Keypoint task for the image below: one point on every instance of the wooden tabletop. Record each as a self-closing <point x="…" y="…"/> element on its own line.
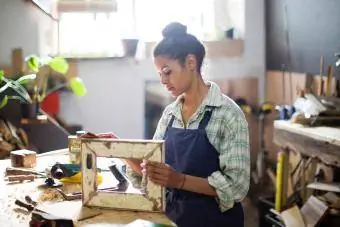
<point x="322" y="142"/>
<point x="12" y="215"/>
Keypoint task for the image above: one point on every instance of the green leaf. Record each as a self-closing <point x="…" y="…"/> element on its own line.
<point x="33" y="62"/>
<point x="4" y="102"/>
<point x="25" y="79"/>
<point x="59" y="65"/>
<point x="78" y="86"/>
<point x="2" y="74"/>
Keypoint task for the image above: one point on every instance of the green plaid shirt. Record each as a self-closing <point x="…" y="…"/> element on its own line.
<point x="228" y="132"/>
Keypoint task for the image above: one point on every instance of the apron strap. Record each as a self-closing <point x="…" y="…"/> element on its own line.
<point x="171" y="120"/>
<point x="206" y="118"/>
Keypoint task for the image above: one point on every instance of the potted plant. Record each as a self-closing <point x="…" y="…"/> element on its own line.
<point x="32" y="88"/>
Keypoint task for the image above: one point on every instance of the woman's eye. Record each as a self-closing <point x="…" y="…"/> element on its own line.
<point x="167" y="73"/>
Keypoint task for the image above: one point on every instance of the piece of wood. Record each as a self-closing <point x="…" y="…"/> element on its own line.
<point x="150" y="198"/>
<point x="21" y="178"/>
<point x="330" y="187"/>
<point x="313" y="211"/>
<point x="292" y="217"/>
<point x="320" y="142"/>
<point x="23" y="158"/>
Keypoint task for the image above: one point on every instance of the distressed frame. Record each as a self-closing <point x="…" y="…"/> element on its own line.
<point x="153" y="197"/>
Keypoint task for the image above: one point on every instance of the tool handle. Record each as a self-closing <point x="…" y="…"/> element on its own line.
<point x="24" y="205"/>
<point x="21" y="178"/>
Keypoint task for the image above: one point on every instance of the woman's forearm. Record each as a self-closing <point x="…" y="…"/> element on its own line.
<point x="134" y="165"/>
<point x="198" y="185"/>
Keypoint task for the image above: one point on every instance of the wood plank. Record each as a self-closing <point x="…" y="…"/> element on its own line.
<point x="330" y="135"/>
<point x="313" y="211"/>
<point x="319" y="142"/>
<point x="292" y="217"/>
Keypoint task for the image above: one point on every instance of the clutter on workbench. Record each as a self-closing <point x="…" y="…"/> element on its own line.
<point x="11" y="138"/>
<point x="315" y="110"/>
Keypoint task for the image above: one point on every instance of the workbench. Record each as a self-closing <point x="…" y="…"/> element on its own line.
<point x="12" y="215"/>
<point x="305" y="150"/>
<point x="320" y="142"/>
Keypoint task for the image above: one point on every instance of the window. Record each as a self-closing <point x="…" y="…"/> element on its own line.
<point x="86" y="34"/>
<point x="90" y="35"/>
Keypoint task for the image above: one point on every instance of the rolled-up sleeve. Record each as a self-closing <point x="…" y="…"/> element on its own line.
<point x="232" y="181"/>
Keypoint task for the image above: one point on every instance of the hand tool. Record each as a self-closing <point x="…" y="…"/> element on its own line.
<point x="29" y="200"/>
<point x="59" y="170"/>
<point x="69" y="173"/>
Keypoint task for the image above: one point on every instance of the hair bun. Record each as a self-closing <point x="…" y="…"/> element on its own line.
<point x="174" y="29"/>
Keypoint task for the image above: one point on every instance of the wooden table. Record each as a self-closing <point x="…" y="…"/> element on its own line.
<point x="11" y="215"/>
<point x="320" y="142"/>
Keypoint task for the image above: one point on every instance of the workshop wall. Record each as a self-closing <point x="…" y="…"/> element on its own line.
<point x="25" y="26"/>
<point x="297" y="38"/>
<point x="117" y="84"/>
<point x="123" y="82"/>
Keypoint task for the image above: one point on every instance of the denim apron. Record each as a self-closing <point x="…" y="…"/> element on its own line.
<point x="189" y="151"/>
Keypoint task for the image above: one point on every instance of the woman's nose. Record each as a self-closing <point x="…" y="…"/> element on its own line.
<point x="163" y="79"/>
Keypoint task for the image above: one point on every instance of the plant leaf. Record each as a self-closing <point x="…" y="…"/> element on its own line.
<point x="59" y="65"/>
<point x="26" y="78"/>
<point x="2" y="74"/>
<point x="4" y="102"/>
<point x="33" y="62"/>
<point x="77" y="86"/>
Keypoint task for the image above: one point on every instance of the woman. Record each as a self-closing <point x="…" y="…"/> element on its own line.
<point x="207" y="168"/>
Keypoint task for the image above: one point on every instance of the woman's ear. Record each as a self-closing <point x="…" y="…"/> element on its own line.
<point x="191" y="63"/>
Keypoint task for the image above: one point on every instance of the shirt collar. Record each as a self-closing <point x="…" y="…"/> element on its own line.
<point x="214" y="98"/>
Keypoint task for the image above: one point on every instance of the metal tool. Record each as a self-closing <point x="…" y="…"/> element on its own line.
<point x="59" y="170"/>
<point x="69" y="197"/>
<point x="29" y="200"/>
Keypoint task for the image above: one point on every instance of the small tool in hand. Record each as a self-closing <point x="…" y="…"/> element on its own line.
<point x="24" y="205"/>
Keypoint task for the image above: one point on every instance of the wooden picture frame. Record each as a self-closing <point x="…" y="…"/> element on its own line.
<point x="152" y="196"/>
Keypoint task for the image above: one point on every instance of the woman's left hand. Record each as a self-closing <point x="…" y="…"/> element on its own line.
<point x="162" y="174"/>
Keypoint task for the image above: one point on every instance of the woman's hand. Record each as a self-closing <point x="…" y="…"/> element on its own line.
<point x="162" y="174"/>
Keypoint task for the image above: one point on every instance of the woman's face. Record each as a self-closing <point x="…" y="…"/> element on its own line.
<point x="173" y="76"/>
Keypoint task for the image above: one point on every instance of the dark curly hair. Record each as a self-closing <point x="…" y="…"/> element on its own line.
<point x="177" y="44"/>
